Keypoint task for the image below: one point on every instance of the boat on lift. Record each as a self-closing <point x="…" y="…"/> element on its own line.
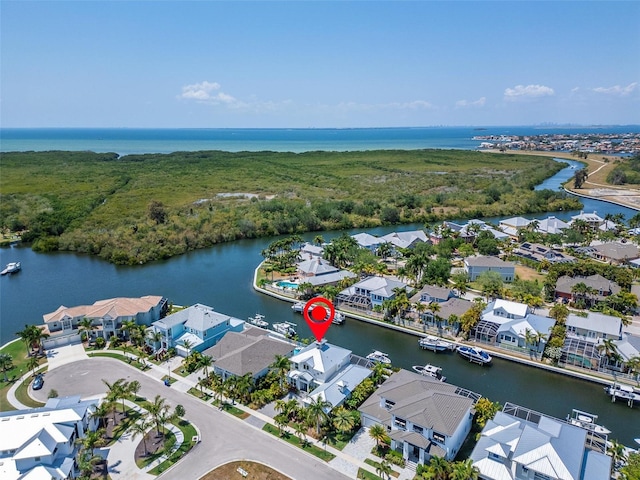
<point x="435" y="344"/>
<point x="298" y="307"/>
<point x="379" y="357"/>
<point x="258" y="320"/>
<point x="429" y="370"/>
<point x="587" y="421"/>
<point x="287" y="329"/>
<point x="474" y="354"/>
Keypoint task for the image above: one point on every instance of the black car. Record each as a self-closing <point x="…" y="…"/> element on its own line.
<point x="38" y="382"/>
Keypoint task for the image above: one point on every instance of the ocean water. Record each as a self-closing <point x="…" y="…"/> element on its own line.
<point x="137" y="141"/>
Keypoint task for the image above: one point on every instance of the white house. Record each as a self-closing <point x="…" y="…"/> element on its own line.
<point x="323" y="370"/>
<point x="40" y="443"/>
<point x="369" y="292"/>
<point x="475" y="266"/>
<point x="507" y="323"/>
<point x="405" y="239"/>
<point x="585" y="334"/>
<point x="368" y="241"/>
<point x="423" y="417"/>
<point x="519" y="444"/>
<point x="197" y="327"/>
<point x="552" y="225"/>
<point x="318" y="271"/>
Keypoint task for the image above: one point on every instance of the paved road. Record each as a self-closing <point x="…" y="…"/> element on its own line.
<point x="224" y="437"/>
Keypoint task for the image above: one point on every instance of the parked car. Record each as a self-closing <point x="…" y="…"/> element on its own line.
<point x="38" y="382"/>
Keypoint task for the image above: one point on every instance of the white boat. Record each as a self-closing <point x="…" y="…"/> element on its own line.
<point x="429" y="370"/>
<point x="624" y="392"/>
<point x="298" y="307"/>
<point x="287" y="329"/>
<point x="12" y="267"/>
<point x="587" y="421"/>
<point x="258" y="320"/>
<point x="474" y="354"/>
<point x="338" y="318"/>
<point x="436" y="344"/>
<point x="379" y="357"/>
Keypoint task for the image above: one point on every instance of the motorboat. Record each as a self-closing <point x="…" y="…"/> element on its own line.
<point x="12" y="267"/>
<point x="379" y="357"/>
<point x="624" y="392"/>
<point x="338" y="318"/>
<point x="298" y="307"/>
<point x="287" y="329"/>
<point x="429" y="370"/>
<point x="258" y="320"/>
<point x="587" y="421"/>
<point x="474" y="354"/>
<point x="435" y="344"/>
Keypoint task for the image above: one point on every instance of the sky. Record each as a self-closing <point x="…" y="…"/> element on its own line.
<point x="316" y="64"/>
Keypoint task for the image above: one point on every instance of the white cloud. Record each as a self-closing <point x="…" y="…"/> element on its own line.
<point x="199" y="91"/>
<point x="617" y="89"/>
<point x="475" y="103"/>
<point x="522" y="92"/>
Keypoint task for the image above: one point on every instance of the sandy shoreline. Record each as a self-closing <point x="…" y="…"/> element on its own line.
<point x="596" y="186"/>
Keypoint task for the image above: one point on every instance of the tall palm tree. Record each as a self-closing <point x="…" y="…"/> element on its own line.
<point x="85" y="326"/>
<point x="301" y="431"/>
<point x="317" y="411"/>
<point x="244" y="386"/>
<point x="205" y="362"/>
<point x="33" y="364"/>
<point x="383" y="469"/>
<point x="157" y="410"/>
<point x="140" y="428"/>
<point x="281" y="365"/>
<point x="27" y="335"/>
<point x="617" y="452"/>
<point x="610" y="349"/>
<point x="117" y="390"/>
<point x="217" y="384"/>
<point x="439" y="468"/>
<point x="464" y="470"/>
<point x="378" y="433"/>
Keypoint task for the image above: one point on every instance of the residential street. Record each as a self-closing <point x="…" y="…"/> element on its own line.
<point x="224" y="437"/>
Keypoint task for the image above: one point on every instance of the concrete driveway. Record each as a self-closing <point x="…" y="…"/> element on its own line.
<point x="224" y="437"/>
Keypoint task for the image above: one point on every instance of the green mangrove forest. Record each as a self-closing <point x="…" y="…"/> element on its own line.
<point x="137" y="208"/>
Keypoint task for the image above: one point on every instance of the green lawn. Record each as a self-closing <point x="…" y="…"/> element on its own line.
<point x="18" y="352"/>
<point x="189" y="433"/>
<point x="375" y="464"/>
<point x="294" y="440"/>
<point x="367" y="475"/>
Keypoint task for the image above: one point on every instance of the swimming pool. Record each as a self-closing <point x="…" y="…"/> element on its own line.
<point x="286" y="284"/>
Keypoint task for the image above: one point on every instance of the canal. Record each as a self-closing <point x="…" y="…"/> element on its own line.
<point x="221" y="277"/>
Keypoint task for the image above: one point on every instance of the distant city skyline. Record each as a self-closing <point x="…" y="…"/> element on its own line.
<point x="317" y="64"/>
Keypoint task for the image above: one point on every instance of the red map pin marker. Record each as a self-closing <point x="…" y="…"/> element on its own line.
<point x="316" y="315"/>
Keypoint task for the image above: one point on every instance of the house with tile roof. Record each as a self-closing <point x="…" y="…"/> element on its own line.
<point x="41" y="443"/>
<point x="370" y="292"/>
<point x="552" y="225"/>
<point x="324" y="371"/>
<point x="600" y="287"/>
<point x="476" y="266"/>
<point x="107" y="316"/>
<point x="251" y="351"/>
<point x="615" y="253"/>
<point x="520" y="444"/>
<point x="539" y="253"/>
<point x="407" y="239"/>
<point x="423" y="417"/>
<point x="197" y="327"/>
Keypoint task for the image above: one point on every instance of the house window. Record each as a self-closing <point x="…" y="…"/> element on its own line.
<point x="418" y="429"/>
<point x="400" y="423"/>
<point x="438" y="437"/>
<point x="388" y="404"/>
<point x="36" y="459"/>
<point x="495" y="457"/>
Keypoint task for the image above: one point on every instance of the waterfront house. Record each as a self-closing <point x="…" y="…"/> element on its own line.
<point x="251" y="351"/>
<point x="405" y="239"/>
<point x="450" y="229"/>
<point x="369" y="293"/>
<point x="432" y="293"/>
<point x="197" y="327"/>
<point x="42" y="443"/>
<point x="107" y="316"/>
<point x="324" y="371"/>
<point x="368" y="241"/>
<point x="512" y="325"/>
<point x="512" y="226"/>
<point x="585" y="334"/>
<point x="539" y="253"/>
<point x="475" y="266"/>
<point x="319" y="272"/>
<point x="520" y="444"/>
<point x="309" y="251"/>
<point x="423" y="417"/>
<point x="599" y="287"/>
<point x="615" y="253"/>
<point x="552" y="225"/>
<point x="593" y="220"/>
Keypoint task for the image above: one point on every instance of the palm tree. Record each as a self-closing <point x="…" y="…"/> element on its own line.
<point x="85" y="326"/>
<point x="117" y="390"/>
<point x="127" y="327"/>
<point x="6" y="364"/>
<point x="610" y="350"/>
<point x="343" y="420"/>
<point x="617" y="453"/>
<point x="155" y="337"/>
<point x="188" y="345"/>
<point x="33" y="364"/>
<point x="158" y="410"/>
<point x="301" y="432"/>
<point x="206" y="361"/>
<point x="281" y="366"/>
<point x="230" y="387"/>
<point x="378" y="433"/>
<point x="317" y="411"/>
<point x="383" y="469"/>
<point x="559" y="312"/>
<point x="133" y="387"/>
<point x="464" y="470"/>
<point x="28" y="335"/>
<point x="217" y="384"/>
<point x="244" y="386"/>
<point x="633" y="365"/>
<point x="379" y="370"/>
<point x="140" y="428"/>
<point x="439" y="468"/>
